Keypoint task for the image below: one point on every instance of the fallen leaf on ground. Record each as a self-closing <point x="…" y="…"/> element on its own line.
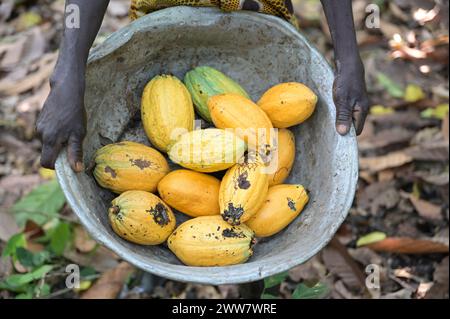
<point x="370" y="238"/>
<point x="83" y="242"/>
<point x="426" y="209"/>
<point x="312" y="270"/>
<point x="109" y="285"/>
<point x="441" y="281"/>
<point x="385" y="138"/>
<point x="379" y="163"/>
<point x="404" y="245"/>
<point x="101" y="259"/>
<point x="381" y="110"/>
<point x="433" y="152"/>
<point x="439" y="112"/>
<point x="33" y="80"/>
<point x="444" y="129"/>
<point x="413" y="93"/>
<point x="339" y="262"/>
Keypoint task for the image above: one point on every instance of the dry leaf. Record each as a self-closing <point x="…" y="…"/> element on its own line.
<point x="445" y="128"/>
<point x="109" y="285"/>
<point x="432" y="151"/>
<point x="386" y="138"/>
<point x="101" y="260"/>
<point x="379" y="163"/>
<point x="426" y="209"/>
<point x="404" y="245"/>
<point x="83" y="242"/>
<point x="441" y="281"/>
<point x="31" y="81"/>
<point x="339" y="262"/>
<point x="386" y="175"/>
<point x="311" y="271"/>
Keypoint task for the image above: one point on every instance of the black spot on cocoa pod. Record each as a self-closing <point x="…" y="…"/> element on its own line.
<point x="160" y="214"/>
<point x="142" y="164"/>
<point x="110" y="171"/>
<point x="233" y="214"/>
<point x="291" y="204"/>
<point x="242" y="181"/>
<point x="231" y="233"/>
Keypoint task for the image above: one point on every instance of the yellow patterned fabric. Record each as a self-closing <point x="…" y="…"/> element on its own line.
<point x="280" y="8"/>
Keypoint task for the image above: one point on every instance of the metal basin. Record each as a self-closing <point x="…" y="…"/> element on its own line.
<point x="258" y="51"/>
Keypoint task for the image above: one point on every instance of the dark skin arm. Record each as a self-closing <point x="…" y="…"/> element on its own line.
<point x="349" y="90"/>
<point x="62" y="120"/>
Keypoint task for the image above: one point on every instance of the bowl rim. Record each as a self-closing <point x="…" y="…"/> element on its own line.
<point x="206" y="275"/>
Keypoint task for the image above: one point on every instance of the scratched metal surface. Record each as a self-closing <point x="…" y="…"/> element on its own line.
<point x="258" y="51"/>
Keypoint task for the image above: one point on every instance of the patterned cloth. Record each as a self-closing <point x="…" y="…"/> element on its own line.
<point x="280" y="8"/>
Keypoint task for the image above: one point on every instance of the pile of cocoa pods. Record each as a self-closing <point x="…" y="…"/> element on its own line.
<point x="248" y="142"/>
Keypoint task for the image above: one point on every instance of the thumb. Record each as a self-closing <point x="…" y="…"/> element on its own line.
<point x="75" y="152"/>
<point x="343" y="117"/>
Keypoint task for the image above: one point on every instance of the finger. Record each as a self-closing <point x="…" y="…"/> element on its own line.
<point x="343" y="117"/>
<point x="75" y="152"/>
<point x="359" y="115"/>
<point x="49" y="154"/>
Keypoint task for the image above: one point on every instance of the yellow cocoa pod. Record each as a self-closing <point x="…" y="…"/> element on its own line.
<point x="141" y="217"/>
<point x="127" y="166"/>
<point x="167" y="111"/>
<point x="233" y="111"/>
<point x="284" y="157"/>
<point x="193" y="193"/>
<point x="282" y="205"/>
<point x="288" y="104"/>
<point x="209" y="241"/>
<point x="243" y="190"/>
<point x="209" y="150"/>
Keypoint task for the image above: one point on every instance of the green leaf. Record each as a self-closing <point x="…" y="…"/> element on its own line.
<point x="26" y="295"/>
<point x="41" y="204"/>
<point x="269" y="296"/>
<point x="16" y="241"/>
<point x="381" y="110"/>
<point x="304" y="292"/>
<point x="394" y="89"/>
<point x="29" y="259"/>
<point x="25" y="257"/>
<point x="413" y="93"/>
<point x="87" y="272"/>
<point x="19" y="280"/>
<point x="42" y="291"/>
<point x="439" y="112"/>
<point x="275" y="280"/>
<point x="370" y="238"/>
<point x="40" y="258"/>
<point x="60" y="238"/>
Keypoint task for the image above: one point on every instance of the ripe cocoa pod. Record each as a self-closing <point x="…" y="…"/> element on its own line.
<point x="127" y="166"/>
<point x="209" y="241"/>
<point x="204" y="82"/>
<point x="282" y="205"/>
<point x="288" y="104"/>
<point x="167" y="111"/>
<point x="192" y="193"/>
<point x="209" y="150"/>
<point x="284" y="157"/>
<point x="243" y="191"/>
<point x="232" y="111"/>
<point x="141" y="217"/>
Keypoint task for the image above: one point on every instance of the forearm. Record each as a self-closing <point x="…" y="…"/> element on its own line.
<point x="349" y="88"/>
<point x="77" y="41"/>
<point x="340" y="21"/>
